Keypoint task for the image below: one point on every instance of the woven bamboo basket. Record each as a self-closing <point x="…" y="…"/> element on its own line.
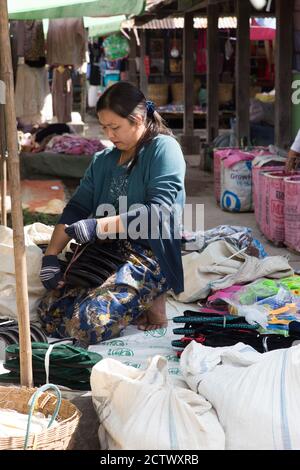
<point x="158" y="92"/>
<point x="57" y="437"/>
<point x="177" y="93"/>
<point x="175" y="65"/>
<point x="225" y="92"/>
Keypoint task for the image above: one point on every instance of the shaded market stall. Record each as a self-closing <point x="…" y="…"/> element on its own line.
<point x="243" y="10"/>
<point x="34" y="9"/>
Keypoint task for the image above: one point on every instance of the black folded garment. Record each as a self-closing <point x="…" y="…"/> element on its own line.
<point x="92" y="264"/>
<point x="229" y="337"/>
<point x="9" y="332"/>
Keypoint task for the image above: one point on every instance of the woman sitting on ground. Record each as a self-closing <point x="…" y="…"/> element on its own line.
<point x="147" y="166"/>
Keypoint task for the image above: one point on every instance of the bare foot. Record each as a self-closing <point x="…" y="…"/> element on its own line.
<point x="155" y="317"/>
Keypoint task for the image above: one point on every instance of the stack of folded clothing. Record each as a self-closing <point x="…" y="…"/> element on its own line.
<point x="68" y="365"/>
<point x="215" y="328"/>
<point x="9" y="332"/>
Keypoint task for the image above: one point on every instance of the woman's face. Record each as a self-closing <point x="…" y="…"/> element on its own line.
<point x="120" y="131"/>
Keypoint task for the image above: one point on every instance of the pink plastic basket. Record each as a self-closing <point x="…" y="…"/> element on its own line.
<point x="272" y="209"/>
<point x="218" y="155"/>
<point x="292" y="212"/>
<point x="257" y="189"/>
<point x="224" y="152"/>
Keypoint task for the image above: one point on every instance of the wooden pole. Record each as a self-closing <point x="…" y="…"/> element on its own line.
<point x="283" y="72"/>
<point x="83" y="96"/>
<point x="143" y="75"/>
<point x="3" y="166"/>
<point x="15" y="191"/>
<point x="212" y="119"/>
<point x="188" y="74"/>
<point x="3" y="153"/>
<point x="132" y="78"/>
<point x="242" y="72"/>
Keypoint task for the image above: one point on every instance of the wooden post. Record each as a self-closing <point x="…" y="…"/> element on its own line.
<point x="188" y="74"/>
<point x="242" y="72"/>
<point x="283" y="72"/>
<point x="190" y="143"/>
<point x="212" y="118"/>
<point x="3" y="166"/>
<point x="3" y="153"/>
<point x="15" y="191"/>
<point x="83" y="95"/>
<point x="131" y="60"/>
<point x="143" y="75"/>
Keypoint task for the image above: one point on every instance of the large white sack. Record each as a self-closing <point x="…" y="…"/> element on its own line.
<point x="256" y="396"/>
<point x="236" y="187"/>
<point x="35" y="233"/>
<point x="143" y="410"/>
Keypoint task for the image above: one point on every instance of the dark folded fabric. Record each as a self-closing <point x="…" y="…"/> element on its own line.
<point x="229" y="337"/>
<point x="9" y="332"/>
<point x="92" y="264"/>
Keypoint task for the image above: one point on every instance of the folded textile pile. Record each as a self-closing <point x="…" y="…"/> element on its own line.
<point x="238" y="236"/>
<point x="217" y="328"/>
<point x="9" y="332"/>
<point x="64" y="365"/>
<point x="74" y="145"/>
<point x="221" y="265"/>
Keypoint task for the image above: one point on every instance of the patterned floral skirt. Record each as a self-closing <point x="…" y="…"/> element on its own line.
<point x="100" y="313"/>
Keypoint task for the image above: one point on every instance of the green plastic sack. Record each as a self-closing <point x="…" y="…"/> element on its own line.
<point x="116" y="46"/>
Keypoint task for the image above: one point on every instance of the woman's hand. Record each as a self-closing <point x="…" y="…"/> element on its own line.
<point x="50" y="274"/>
<point x="83" y="231"/>
<point x="291" y="161"/>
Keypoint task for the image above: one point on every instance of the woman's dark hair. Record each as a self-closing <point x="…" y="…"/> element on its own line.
<point x="127" y="101"/>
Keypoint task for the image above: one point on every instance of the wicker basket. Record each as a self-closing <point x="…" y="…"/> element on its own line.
<point x="158" y="93"/>
<point x="175" y="65"/>
<point x="225" y="92"/>
<point x="57" y="437"/>
<point x="177" y="93"/>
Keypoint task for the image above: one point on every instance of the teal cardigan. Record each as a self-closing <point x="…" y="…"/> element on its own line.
<point x="157" y="180"/>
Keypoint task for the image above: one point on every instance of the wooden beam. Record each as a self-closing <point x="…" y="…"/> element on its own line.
<point x="212" y="119"/>
<point x="188" y="74"/>
<point x="132" y="76"/>
<point x="3" y="155"/>
<point x="197" y="5"/>
<point x="143" y="76"/>
<point x="283" y="72"/>
<point x="242" y="71"/>
<point x="3" y="166"/>
<point x="83" y="95"/>
<point x="15" y="191"/>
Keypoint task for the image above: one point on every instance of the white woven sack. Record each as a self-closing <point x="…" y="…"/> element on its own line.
<point x="142" y="410"/>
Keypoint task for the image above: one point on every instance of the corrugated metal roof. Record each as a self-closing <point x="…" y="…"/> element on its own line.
<point x="226" y="22"/>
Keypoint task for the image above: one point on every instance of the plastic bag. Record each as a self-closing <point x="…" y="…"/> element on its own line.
<point x="116" y="46"/>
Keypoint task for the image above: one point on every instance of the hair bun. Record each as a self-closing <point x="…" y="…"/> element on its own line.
<point x="150" y="106"/>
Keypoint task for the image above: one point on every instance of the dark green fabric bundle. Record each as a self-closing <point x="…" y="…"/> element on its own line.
<point x="69" y="365"/>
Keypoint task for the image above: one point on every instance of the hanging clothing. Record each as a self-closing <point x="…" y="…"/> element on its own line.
<point x="94" y="70"/>
<point x="66" y="42"/>
<point x="28" y="36"/>
<point x="27" y="41"/>
<point x="201" y="63"/>
<point x="32" y="95"/>
<point x="110" y="71"/>
<point x="62" y="93"/>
